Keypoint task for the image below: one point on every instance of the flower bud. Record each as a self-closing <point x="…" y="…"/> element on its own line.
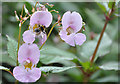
<point x="17" y="18"/>
<point x="26" y="11"/>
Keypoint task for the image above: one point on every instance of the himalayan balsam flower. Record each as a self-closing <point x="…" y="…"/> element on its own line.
<point x="38" y="22"/>
<point x="28" y="57"/>
<point x="28" y="37"/>
<point x="71" y="25"/>
<point x="41" y="18"/>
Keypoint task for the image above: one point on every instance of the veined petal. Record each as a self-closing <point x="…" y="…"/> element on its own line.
<point x="22" y="75"/>
<point x="76" y="21"/>
<point x="41" y="17"/>
<point x="73" y="20"/>
<point x="63" y="34"/>
<point x="70" y="39"/>
<point x="42" y="40"/>
<point x="80" y="38"/>
<point x="28" y="37"/>
<point x="28" y="52"/>
<point x="66" y="20"/>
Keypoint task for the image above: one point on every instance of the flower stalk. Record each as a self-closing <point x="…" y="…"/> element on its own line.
<point x="48" y="35"/>
<point x="18" y="41"/>
<point x="101" y="35"/>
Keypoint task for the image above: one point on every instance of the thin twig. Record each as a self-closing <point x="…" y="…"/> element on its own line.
<point x="36" y="4"/>
<point x="10" y="72"/>
<point x="48" y="34"/>
<point x="18" y="42"/>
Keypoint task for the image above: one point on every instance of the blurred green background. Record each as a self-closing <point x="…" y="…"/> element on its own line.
<point x="94" y="18"/>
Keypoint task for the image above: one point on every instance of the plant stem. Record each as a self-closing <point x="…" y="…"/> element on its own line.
<point x="101" y="35"/>
<point x="10" y="73"/>
<point x="18" y="42"/>
<point x="36" y="4"/>
<point x="16" y="82"/>
<point x="48" y="34"/>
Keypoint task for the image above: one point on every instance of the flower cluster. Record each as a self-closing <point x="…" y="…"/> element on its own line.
<point x="28" y="57"/>
<point x="71" y="25"/>
<point x="38" y="22"/>
<point x="29" y="53"/>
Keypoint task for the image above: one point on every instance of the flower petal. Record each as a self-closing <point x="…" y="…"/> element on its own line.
<point x="21" y="74"/>
<point x="80" y="38"/>
<point x="70" y="39"/>
<point x="63" y="34"/>
<point x="42" y="40"/>
<point x="73" y="20"/>
<point x="28" y="37"/>
<point x="41" y="17"/>
<point x="76" y="21"/>
<point x="66" y="20"/>
<point x="28" y="52"/>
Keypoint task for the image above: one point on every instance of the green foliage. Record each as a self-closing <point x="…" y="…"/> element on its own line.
<point x="12" y="48"/>
<point x="52" y="54"/>
<point x="102" y="7"/>
<point x="88" y="67"/>
<point x="5" y="58"/>
<point x="96" y="22"/>
<point x="89" y="47"/>
<point x="61" y="52"/>
<point x="110" y="66"/>
<point x="110" y="4"/>
<point x="111" y="78"/>
<point x="53" y="69"/>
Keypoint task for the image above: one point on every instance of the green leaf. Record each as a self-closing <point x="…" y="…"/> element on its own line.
<point x="111" y="78"/>
<point x="52" y="54"/>
<point x="12" y="48"/>
<point x="110" y="66"/>
<point x="110" y="4"/>
<point x="101" y="6"/>
<point x="89" y="47"/>
<point x="87" y="67"/>
<point x="4" y="68"/>
<point x="96" y="21"/>
<point x="7" y="59"/>
<point x="105" y="6"/>
<point x="53" y="69"/>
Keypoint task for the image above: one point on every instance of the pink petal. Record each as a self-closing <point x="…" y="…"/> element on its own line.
<point x="28" y="37"/>
<point x="63" y="34"/>
<point x="28" y="52"/>
<point x="73" y="20"/>
<point x="70" y="39"/>
<point x="66" y="20"/>
<point x="41" y="17"/>
<point x="42" y="40"/>
<point x="77" y="21"/>
<point x="80" y="38"/>
<point x="22" y="75"/>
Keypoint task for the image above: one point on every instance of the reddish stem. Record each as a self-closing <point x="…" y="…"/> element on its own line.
<point x="101" y="35"/>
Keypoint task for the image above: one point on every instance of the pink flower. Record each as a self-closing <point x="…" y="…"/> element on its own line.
<point x="28" y="52"/>
<point x="41" y="18"/>
<point x="28" y="37"/>
<point x="38" y="22"/>
<point x="71" y="24"/>
<point x="24" y="75"/>
<point x="28" y="57"/>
